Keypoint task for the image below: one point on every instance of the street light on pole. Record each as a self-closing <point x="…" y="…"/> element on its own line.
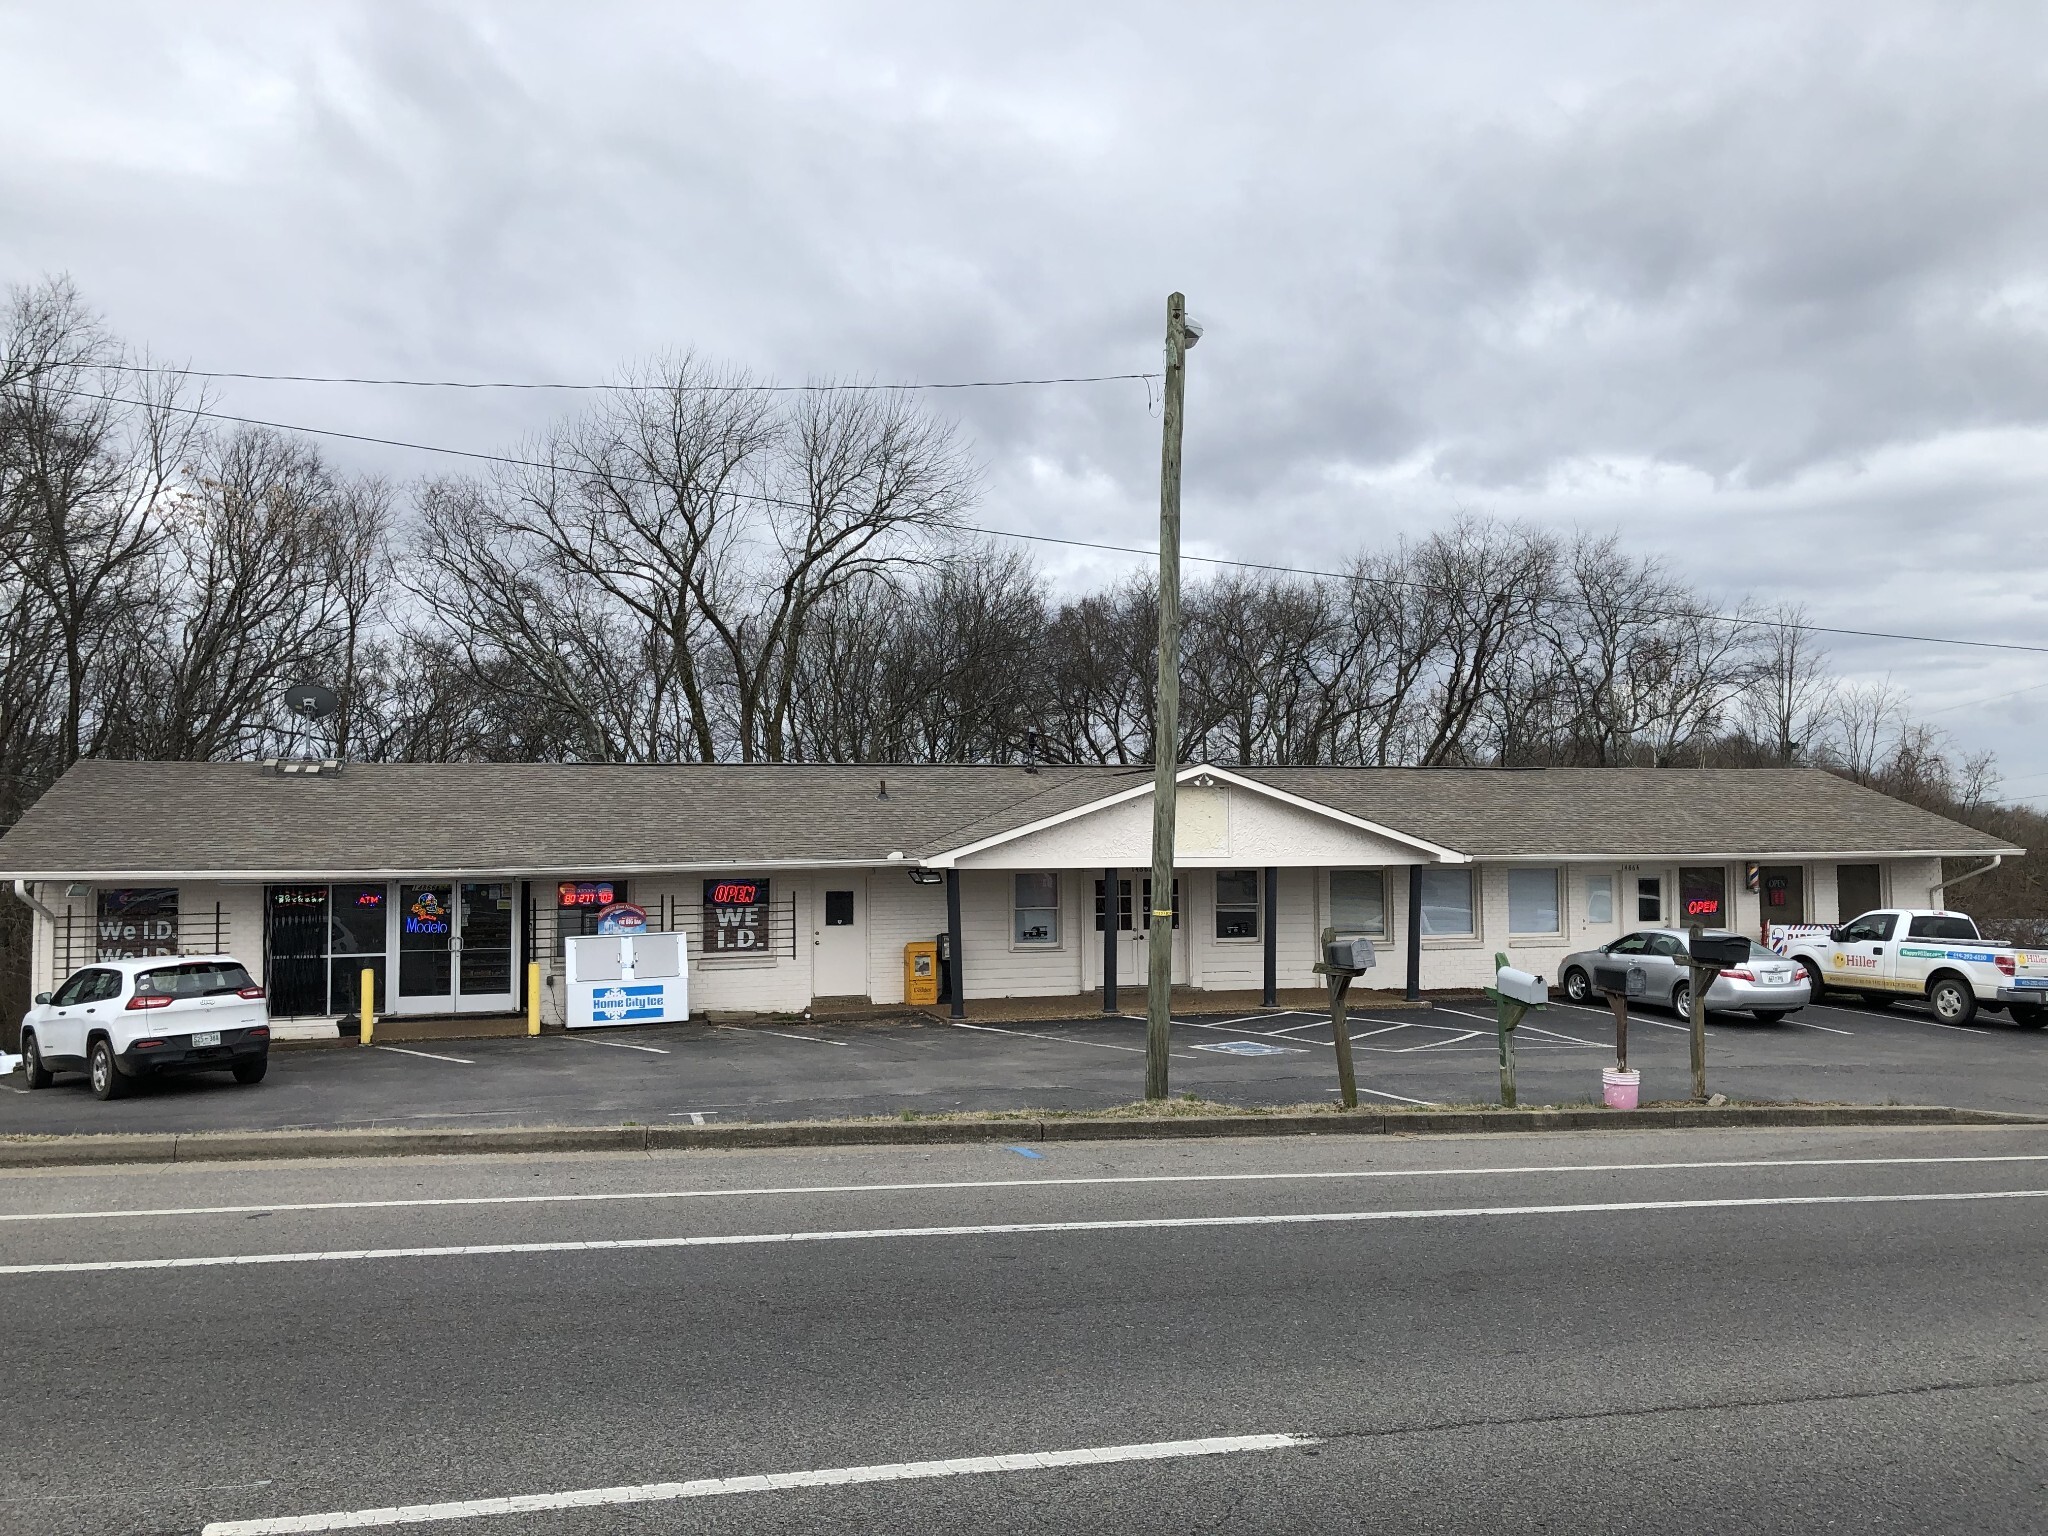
<point x="1180" y="335"/>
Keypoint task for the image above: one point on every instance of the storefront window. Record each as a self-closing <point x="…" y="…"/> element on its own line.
<point x="1237" y="903"/>
<point x="1649" y="899"/>
<point x="1036" y="909"/>
<point x="138" y="922"/>
<point x="1447" y="903"/>
<point x="318" y="942"/>
<point x="1358" y="902"/>
<point x="1703" y="896"/>
<point x="1600" y="899"/>
<point x="1532" y="901"/>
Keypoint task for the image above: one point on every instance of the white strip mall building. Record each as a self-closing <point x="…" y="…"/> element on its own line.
<point x="445" y="880"/>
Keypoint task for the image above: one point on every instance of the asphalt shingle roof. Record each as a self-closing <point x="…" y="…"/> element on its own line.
<point x="132" y="818"/>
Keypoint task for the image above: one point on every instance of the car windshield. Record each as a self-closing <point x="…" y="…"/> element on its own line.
<point x="209" y="978"/>
<point x="1941" y="928"/>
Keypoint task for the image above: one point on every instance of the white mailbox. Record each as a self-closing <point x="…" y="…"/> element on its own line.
<point x="1520" y="986"/>
<point x="620" y="978"/>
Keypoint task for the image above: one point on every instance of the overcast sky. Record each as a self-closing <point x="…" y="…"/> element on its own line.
<point x="1764" y="284"/>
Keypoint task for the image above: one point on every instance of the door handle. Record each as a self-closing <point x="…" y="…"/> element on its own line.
<point x="1877" y="949"/>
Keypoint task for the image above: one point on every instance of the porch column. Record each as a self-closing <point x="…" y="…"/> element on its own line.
<point x="1270" y="997"/>
<point x="1414" y="932"/>
<point x="1112" y="915"/>
<point x="953" y="939"/>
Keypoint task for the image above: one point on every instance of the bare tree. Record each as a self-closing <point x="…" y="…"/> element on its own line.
<point x="1786" y="704"/>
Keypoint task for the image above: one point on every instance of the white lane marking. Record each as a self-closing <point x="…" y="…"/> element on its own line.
<point x="1100" y="1045"/>
<point x="1066" y="1181"/>
<point x="619" y="1045"/>
<point x="1960" y="1029"/>
<point x="1427" y="1045"/>
<point x="740" y="1029"/>
<point x="1295" y="1029"/>
<point x="714" y="1487"/>
<point x="998" y="1229"/>
<point x="1397" y="1098"/>
<point x="1532" y="1029"/>
<point x="460" y="1061"/>
<point x="1809" y="1024"/>
<point x="1226" y="1028"/>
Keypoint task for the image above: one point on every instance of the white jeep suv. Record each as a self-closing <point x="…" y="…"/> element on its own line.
<point x="122" y="1019"/>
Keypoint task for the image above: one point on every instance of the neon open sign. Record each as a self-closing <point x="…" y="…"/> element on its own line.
<point x="1702" y="906"/>
<point x="735" y="917"/>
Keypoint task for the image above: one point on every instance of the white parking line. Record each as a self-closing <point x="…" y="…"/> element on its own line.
<point x="1397" y="1098"/>
<point x="1427" y="1045"/>
<point x="619" y="1045"/>
<point x="753" y="1192"/>
<point x="1101" y="1045"/>
<point x="739" y="1029"/>
<point x="1809" y="1024"/>
<point x="713" y="1487"/>
<point x="460" y="1061"/>
<point x="1001" y="1229"/>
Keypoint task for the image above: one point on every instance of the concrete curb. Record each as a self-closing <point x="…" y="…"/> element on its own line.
<point x="254" y="1146"/>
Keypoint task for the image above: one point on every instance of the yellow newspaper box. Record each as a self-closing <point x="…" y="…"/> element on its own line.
<point x="921" y="973"/>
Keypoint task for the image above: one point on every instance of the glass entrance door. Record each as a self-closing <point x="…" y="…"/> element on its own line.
<point x="455" y="947"/>
<point x="483" y="961"/>
<point x="426" y="948"/>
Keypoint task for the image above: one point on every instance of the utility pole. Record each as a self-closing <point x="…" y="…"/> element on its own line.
<point x="1165" y="712"/>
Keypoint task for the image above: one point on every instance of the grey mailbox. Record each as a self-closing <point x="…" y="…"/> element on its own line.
<point x="1620" y="980"/>
<point x="1721" y="950"/>
<point x="1348" y="956"/>
<point x="1521" y="987"/>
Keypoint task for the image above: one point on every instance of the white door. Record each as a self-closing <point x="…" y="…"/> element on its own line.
<point x="839" y="937"/>
<point x="456" y="943"/>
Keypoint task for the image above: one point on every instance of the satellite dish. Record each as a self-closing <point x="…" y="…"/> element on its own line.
<point x="311" y="701"/>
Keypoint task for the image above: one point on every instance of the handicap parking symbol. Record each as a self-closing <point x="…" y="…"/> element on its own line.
<point x="1250" y="1048"/>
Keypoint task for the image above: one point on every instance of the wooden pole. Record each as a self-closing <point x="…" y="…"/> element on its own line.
<point x="1617" y="1002"/>
<point x="1347" y="1080"/>
<point x="1165" y="713"/>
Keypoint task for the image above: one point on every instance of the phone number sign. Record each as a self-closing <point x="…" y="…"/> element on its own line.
<point x="735" y="917"/>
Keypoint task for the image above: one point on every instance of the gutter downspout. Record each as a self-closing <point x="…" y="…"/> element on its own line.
<point x="1940" y="892"/>
<point x="21" y="890"/>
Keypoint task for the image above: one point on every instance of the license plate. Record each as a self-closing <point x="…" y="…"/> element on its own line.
<point x="202" y="1041"/>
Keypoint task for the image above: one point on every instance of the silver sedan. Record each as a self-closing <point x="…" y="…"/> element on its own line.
<point x="1769" y="986"/>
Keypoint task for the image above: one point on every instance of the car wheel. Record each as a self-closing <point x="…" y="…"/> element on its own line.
<point x="1953" y="1001"/>
<point x="1578" y="986"/>
<point x="1681" y="1001"/>
<point x="1878" y="1000"/>
<point x="1818" y="987"/>
<point x="33" y="1072"/>
<point x="1769" y="1015"/>
<point x="2029" y="1015"/>
<point x="251" y="1071"/>
<point x="107" y="1082"/>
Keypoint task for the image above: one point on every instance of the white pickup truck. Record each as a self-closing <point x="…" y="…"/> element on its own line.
<point x="1899" y="952"/>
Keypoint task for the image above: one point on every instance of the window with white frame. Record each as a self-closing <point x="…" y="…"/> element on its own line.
<point x="1600" y="899"/>
<point x="1035" y="909"/>
<point x="1532" y="901"/>
<point x="1237" y="903"/>
<point x="1358" y="902"/>
<point x="1447" y="902"/>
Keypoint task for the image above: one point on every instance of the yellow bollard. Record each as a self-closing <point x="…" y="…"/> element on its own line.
<point x="533" y="997"/>
<point x="369" y="1003"/>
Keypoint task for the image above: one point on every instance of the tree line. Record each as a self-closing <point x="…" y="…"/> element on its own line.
<point x="699" y="567"/>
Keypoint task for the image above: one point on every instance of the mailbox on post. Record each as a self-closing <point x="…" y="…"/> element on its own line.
<point x="1343" y="961"/>
<point x="1722" y="951"/>
<point x="1514" y="993"/>
<point x="1618" y="1083"/>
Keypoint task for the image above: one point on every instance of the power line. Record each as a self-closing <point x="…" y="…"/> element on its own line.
<point x="1738" y="620"/>
<point x="768" y="389"/>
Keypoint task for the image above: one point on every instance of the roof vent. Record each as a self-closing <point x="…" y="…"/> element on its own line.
<point x="300" y="768"/>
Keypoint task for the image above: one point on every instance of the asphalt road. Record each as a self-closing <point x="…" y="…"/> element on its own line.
<point x="1838" y="1331"/>
<point x="1444" y="1055"/>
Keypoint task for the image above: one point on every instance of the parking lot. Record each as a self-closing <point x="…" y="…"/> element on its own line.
<point x="719" y="1073"/>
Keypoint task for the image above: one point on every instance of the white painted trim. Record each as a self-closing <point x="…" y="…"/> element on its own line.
<point x="331" y="875"/>
<point x="949" y="858"/>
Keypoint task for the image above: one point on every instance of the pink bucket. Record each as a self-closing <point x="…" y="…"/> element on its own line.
<point x="1618" y="1088"/>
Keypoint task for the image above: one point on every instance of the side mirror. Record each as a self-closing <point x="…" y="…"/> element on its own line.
<point x="1835" y="935"/>
<point x="42" y="998"/>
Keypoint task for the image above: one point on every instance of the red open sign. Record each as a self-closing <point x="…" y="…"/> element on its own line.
<point x="1702" y="907"/>
<point x="732" y="893"/>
